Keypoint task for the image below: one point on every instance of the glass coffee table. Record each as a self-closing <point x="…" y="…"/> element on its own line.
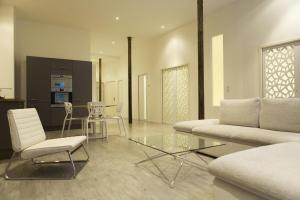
<point x="176" y="145"/>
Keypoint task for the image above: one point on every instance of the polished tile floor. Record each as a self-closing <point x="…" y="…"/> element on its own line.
<point x="110" y="174"/>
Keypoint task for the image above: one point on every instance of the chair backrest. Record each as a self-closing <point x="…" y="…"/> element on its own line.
<point x="96" y="109"/>
<point x="25" y="128"/>
<point x="68" y="108"/>
<point x="119" y="109"/>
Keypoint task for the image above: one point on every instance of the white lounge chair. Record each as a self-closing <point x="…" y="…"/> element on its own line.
<point x="29" y="140"/>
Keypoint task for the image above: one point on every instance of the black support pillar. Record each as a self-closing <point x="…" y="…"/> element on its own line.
<point x="200" y="60"/>
<point x="129" y="81"/>
<point x="100" y="79"/>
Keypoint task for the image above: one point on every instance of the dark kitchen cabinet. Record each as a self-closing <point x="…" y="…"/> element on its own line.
<point x="82" y="86"/>
<point x="61" y="67"/>
<point x="82" y="81"/>
<point x="38" y="79"/>
<point x="39" y="72"/>
<point x="38" y="87"/>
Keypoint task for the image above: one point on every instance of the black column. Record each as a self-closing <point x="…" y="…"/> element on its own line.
<point x="200" y="60"/>
<point x="129" y="81"/>
<point x="100" y="79"/>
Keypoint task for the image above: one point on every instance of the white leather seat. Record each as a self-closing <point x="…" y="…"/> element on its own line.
<point x="53" y="146"/>
<point x="29" y="140"/>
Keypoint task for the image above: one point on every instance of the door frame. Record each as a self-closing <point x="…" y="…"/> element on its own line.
<point x="139" y="117"/>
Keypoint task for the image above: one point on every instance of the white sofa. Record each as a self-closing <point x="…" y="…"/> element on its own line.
<point x="254" y="122"/>
<point x="270" y="171"/>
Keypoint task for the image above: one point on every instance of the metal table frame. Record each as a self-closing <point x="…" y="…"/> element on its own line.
<point x="175" y="155"/>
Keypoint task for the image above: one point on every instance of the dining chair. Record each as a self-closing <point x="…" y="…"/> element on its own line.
<point x="96" y="114"/>
<point x="118" y="116"/>
<point x="29" y="141"/>
<point x="69" y="118"/>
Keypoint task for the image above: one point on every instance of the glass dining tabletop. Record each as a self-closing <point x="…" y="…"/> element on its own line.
<point x="85" y="106"/>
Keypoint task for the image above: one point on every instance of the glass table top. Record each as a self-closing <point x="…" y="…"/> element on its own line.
<point x="176" y="142"/>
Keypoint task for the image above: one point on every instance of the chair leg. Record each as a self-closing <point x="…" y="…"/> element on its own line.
<point x="6" y="176"/>
<point x="87" y="131"/>
<point x="106" y="134"/>
<point x="69" y="126"/>
<point x="86" y="152"/>
<point x="125" y="131"/>
<point x="94" y="128"/>
<point x="82" y="127"/>
<point x="119" y="126"/>
<point x="72" y="163"/>
<point x="63" y="128"/>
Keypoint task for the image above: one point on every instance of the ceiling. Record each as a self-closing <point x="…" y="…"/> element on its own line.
<point x="138" y="18"/>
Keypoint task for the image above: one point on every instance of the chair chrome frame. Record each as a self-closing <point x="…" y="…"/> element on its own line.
<point x="69" y="118"/>
<point x="71" y="161"/>
<point x="96" y="114"/>
<point x="119" y="118"/>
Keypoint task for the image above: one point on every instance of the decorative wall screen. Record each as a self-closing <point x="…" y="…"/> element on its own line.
<point x="175" y="94"/>
<point x="279" y="63"/>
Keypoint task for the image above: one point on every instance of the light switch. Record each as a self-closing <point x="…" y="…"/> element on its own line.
<point x="227" y="89"/>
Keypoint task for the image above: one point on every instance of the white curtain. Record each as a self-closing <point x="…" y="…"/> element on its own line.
<point x="175" y="94"/>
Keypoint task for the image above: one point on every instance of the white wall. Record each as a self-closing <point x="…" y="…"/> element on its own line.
<point x="150" y="56"/>
<point x="7" y="69"/>
<point x="247" y="26"/>
<point x="176" y="48"/>
<point x="44" y="40"/>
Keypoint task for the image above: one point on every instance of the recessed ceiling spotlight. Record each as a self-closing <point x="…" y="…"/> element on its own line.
<point x="100" y="52"/>
<point x="117" y="18"/>
<point x="113" y="42"/>
<point x="162" y="27"/>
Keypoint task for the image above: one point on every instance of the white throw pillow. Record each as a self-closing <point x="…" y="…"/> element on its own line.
<point x="240" y="112"/>
<point x="280" y="114"/>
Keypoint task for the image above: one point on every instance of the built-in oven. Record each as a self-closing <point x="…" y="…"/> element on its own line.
<point x="61" y="89"/>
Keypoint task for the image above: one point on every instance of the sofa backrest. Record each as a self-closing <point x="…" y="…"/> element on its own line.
<point x="240" y="112"/>
<point x="280" y="114"/>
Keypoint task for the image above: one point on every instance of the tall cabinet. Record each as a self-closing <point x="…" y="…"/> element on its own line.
<point x="39" y="72"/>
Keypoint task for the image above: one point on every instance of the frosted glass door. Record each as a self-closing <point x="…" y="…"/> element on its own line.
<point x="175" y="94"/>
<point x="142" y="97"/>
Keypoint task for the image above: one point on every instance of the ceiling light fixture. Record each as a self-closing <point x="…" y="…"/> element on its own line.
<point x="117" y="18"/>
<point x="113" y="42"/>
<point x="162" y="27"/>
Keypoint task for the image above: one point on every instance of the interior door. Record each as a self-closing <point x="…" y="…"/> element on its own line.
<point x="110" y="96"/>
<point x="142" y="97"/>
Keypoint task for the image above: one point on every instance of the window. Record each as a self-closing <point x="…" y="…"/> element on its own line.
<point x="217" y="69"/>
<point x="281" y="77"/>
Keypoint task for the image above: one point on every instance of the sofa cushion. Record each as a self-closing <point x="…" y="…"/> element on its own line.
<point x="240" y="112"/>
<point x="187" y="126"/>
<point x="246" y="135"/>
<point x="280" y="114"/>
<point x="270" y="171"/>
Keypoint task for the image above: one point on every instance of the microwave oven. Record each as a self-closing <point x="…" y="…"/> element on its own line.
<point x="58" y="98"/>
